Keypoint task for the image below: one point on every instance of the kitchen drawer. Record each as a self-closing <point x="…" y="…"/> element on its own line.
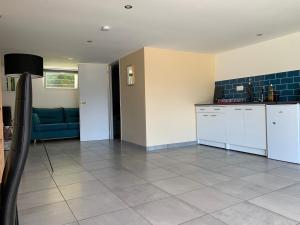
<point x="210" y="109"/>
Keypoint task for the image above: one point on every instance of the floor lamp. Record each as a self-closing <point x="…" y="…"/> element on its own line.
<point x="18" y="64"/>
<point x="23" y="66"/>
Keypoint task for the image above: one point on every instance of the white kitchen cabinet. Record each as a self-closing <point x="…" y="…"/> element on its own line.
<point x="238" y="127"/>
<point x="255" y="127"/>
<point x="235" y="125"/>
<point x="283" y="132"/>
<point x="246" y="127"/>
<point x="204" y="130"/>
<point x="211" y="127"/>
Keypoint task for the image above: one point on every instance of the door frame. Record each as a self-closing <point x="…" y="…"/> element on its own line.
<point x="111" y="122"/>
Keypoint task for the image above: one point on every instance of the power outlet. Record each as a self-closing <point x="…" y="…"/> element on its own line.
<point x="240" y="88"/>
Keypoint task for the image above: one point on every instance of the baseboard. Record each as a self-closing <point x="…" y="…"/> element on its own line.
<point x="134" y="144"/>
<point x="173" y="145"/>
<point x="161" y="147"/>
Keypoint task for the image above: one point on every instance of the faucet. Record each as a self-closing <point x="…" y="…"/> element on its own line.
<point x="261" y="98"/>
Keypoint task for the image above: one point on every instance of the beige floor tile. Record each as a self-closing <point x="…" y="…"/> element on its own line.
<point x="123" y="217"/>
<point x="234" y="171"/>
<point x="207" y="177"/>
<point x="155" y="174"/>
<point x="39" y="198"/>
<point x="139" y="194"/>
<point x="269" y="181"/>
<point x="282" y="204"/>
<point x="292" y="190"/>
<point x="95" y="205"/>
<point x="208" y="199"/>
<point x="36" y="185"/>
<point x="73" y="178"/>
<point x="178" y="185"/>
<point x="262" y="165"/>
<point x="205" y="220"/>
<point x="249" y="214"/>
<point x="242" y="189"/>
<point x="53" y="214"/>
<point x="168" y="211"/>
<point x="82" y="189"/>
<point x="122" y="181"/>
<point x="287" y="172"/>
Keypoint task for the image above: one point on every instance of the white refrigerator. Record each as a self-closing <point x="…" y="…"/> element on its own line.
<point x="283" y="132"/>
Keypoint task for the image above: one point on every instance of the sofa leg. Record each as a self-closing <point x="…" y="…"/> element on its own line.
<point x="34" y="141"/>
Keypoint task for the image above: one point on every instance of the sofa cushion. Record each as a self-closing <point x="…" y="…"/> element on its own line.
<point x="51" y="127"/>
<point x="46" y="115"/>
<point x="72" y="126"/>
<point x="71" y="115"/>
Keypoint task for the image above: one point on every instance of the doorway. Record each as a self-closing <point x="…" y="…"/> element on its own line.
<point x="115" y="89"/>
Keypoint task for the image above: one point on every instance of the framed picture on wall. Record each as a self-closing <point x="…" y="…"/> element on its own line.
<point x="130" y="75"/>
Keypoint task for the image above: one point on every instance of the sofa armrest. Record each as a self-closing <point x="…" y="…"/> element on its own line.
<point x="35" y="120"/>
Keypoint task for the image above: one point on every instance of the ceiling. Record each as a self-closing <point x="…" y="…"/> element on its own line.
<point x="59" y="29"/>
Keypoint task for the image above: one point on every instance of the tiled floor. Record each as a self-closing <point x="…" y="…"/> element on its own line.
<point x="109" y="183"/>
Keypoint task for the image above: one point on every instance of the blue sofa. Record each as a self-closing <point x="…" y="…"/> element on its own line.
<point x="57" y="123"/>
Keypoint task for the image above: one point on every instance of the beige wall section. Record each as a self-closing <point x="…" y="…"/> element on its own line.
<point x="276" y="55"/>
<point x="133" y="118"/>
<point x="175" y="81"/>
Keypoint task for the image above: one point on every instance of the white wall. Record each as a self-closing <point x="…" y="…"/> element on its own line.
<point x="276" y="55"/>
<point x="45" y="97"/>
<point x="50" y="98"/>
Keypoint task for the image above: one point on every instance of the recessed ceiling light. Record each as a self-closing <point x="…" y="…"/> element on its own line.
<point x="128" y="6"/>
<point x="259" y="34"/>
<point x="70" y="58"/>
<point x="89" y="41"/>
<point x="105" y="28"/>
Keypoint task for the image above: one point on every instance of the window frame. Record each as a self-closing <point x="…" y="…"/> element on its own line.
<point x="74" y="72"/>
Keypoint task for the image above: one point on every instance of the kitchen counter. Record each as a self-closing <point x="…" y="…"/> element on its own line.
<point x="248" y="103"/>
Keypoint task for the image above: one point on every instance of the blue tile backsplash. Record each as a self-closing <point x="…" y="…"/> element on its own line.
<point x="287" y="85"/>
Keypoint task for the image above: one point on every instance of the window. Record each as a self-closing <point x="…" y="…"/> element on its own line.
<point x="60" y="79"/>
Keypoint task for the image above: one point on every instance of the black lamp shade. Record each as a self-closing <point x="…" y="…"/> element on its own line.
<point x="17" y="64"/>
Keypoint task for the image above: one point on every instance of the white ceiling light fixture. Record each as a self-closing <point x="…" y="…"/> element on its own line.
<point x="105" y="28"/>
<point x="128" y="6"/>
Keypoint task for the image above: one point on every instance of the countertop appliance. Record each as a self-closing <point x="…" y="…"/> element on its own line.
<point x="283" y="133"/>
<point x="218" y="94"/>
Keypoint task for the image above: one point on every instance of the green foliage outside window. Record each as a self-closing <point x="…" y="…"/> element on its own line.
<point x="57" y="79"/>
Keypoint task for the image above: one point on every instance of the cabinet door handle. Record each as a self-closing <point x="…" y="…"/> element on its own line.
<point x="249" y="109"/>
<point x="202" y="109"/>
<point x="217" y="109"/>
<point x="205" y="115"/>
<point x="280" y="112"/>
<point x="213" y="115"/>
<point x="237" y="109"/>
<point x="274" y="123"/>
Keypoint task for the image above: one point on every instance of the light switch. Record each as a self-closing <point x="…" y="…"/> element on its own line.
<point x="240" y="88"/>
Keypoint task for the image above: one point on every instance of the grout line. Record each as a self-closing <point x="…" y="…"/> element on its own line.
<point x="51" y="175"/>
